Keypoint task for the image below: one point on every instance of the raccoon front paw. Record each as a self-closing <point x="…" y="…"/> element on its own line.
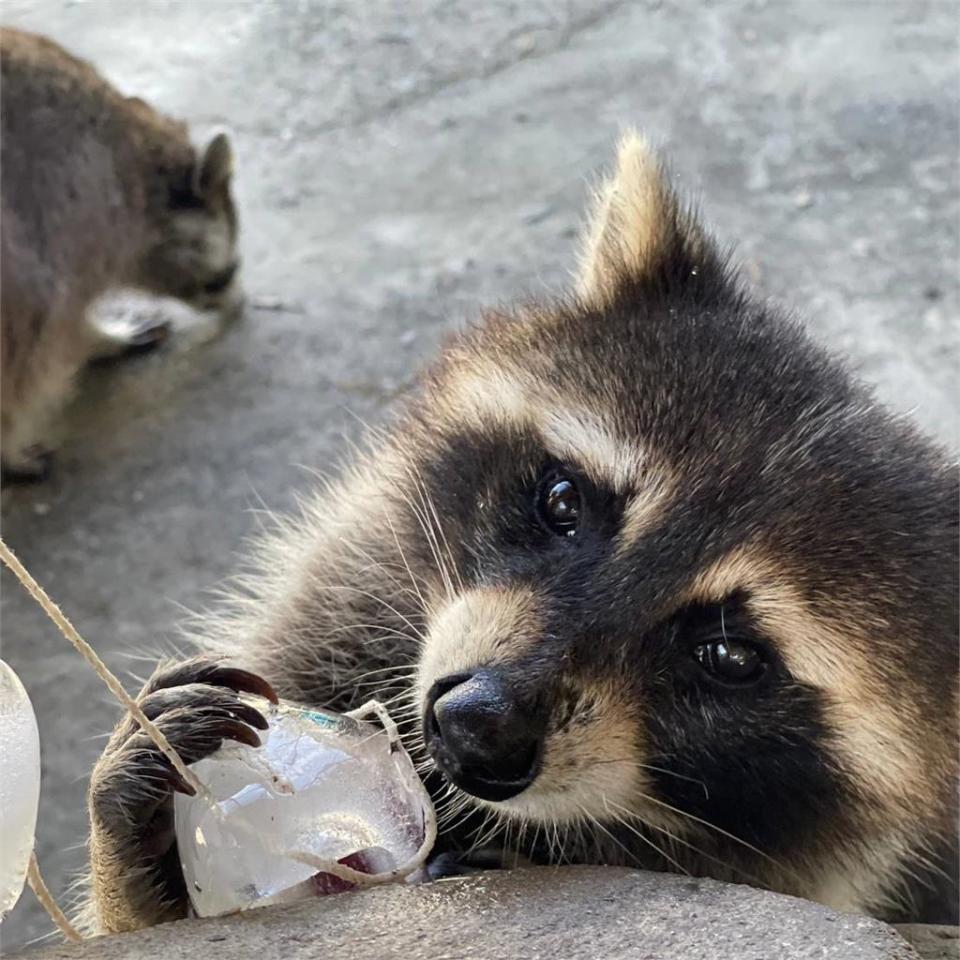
<point x="137" y="880"/>
<point x="30" y="465"/>
<point x="143" y="336"/>
<point x="452" y="863"/>
<point x="148" y="335"/>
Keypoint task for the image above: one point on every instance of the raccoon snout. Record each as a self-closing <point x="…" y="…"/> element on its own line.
<point x="480" y="735"/>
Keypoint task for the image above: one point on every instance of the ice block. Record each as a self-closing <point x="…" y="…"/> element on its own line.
<point x="19" y="786"/>
<point x="333" y="787"/>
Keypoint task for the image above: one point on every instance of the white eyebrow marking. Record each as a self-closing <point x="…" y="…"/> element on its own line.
<point x="571" y="431"/>
<point x="568" y="428"/>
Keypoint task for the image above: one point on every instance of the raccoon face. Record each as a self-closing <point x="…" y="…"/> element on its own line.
<point x="692" y="586"/>
<point x="194" y="256"/>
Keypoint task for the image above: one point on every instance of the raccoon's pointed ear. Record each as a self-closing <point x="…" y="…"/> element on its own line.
<point x="215" y="168"/>
<point x="639" y="234"/>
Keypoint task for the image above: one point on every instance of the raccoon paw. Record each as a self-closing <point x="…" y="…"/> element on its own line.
<point x="136" y="870"/>
<point x="452" y="863"/>
<point x="30" y="465"/>
<point x="142" y="337"/>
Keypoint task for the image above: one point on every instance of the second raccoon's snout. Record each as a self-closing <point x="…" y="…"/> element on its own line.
<point x="482" y="736"/>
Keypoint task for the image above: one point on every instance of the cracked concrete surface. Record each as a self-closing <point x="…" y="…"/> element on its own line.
<point x="400" y="166"/>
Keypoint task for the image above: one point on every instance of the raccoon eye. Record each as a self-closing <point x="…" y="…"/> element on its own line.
<point x="732" y="660"/>
<point x="559" y="505"/>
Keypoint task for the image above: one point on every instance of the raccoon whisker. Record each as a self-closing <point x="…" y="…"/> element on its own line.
<point x="559" y="835"/>
<point x="512" y="846"/>
<point x="379" y="631"/>
<point x="719" y="830"/>
<point x="407" y="711"/>
<point x="597" y="825"/>
<point x="386" y="566"/>
<point x="390" y="701"/>
<point x="674" y="839"/>
<point x="650" y="766"/>
<point x="933" y="867"/>
<point x="432" y="526"/>
<point x="478" y="833"/>
<point x="426" y="528"/>
<point x="378" y="684"/>
<point x="372" y="596"/>
<point x="536" y="834"/>
<point x="645" y="839"/>
<point x="458" y="817"/>
<point x="404" y="723"/>
<point x="406" y="565"/>
<point x="456" y="813"/>
<point x="401" y="673"/>
<point x="425" y="494"/>
<point x="379" y="567"/>
<point x="568" y="828"/>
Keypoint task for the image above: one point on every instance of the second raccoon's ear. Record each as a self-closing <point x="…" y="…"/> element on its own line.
<point x="215" y="168"/>
<point x="639" y="235"/>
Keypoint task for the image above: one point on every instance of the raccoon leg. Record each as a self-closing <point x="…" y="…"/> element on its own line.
<point x="142" y="336"/>
<point x="136" y="878"/>
<point x="27" y="465"/>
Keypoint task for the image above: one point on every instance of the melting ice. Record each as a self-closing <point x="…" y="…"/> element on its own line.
<point x="329" y="785"/>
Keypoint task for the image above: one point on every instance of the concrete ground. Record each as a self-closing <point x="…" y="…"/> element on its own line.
<point x="401" y="165"/>
<point x="524" y="915"/>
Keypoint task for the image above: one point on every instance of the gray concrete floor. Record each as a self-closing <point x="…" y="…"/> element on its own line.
<point x="399" y="166"/>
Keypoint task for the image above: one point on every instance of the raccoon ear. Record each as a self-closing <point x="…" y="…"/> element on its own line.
<point x="214" y="170"/>
<point x="638" y="233"/>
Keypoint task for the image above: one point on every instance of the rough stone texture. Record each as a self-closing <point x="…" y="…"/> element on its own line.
<point x="571" y="913"/>
<point x="400" y="165"/>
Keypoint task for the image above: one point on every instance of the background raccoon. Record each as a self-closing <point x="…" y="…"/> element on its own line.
<point x="98" y="191"/>
<point x="648" y="576"/>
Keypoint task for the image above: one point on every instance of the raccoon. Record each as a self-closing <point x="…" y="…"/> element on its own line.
<point x="648" y="578"/>
<point x="98" y="191"/>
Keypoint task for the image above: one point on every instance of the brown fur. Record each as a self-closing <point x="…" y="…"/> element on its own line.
<point x="727" y="465"/>
<point x="90" y="181"/>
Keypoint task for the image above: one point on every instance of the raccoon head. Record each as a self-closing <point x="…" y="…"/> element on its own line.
<point x="193" y="250"/>
<point x="692" y="588"/>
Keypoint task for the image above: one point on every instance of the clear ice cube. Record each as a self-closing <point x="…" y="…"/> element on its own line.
<point x="19" y="786"/>
<point x="329" y="785"/>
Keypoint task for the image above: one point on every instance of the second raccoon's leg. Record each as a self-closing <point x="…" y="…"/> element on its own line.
<point x="136" y="878"/>
<point x="37" y="376"/>
<point x="26" y="465"/>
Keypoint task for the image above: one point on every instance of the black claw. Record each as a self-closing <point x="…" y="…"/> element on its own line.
<point x="235" y="730"/>
<point x="250" y="715"/>
<point x="179" y="784"/>
<point x="215" y="674"/>
<point x="243" y="681"/>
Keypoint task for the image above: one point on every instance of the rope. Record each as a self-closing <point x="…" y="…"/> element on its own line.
<point x="35" y="879"/>
<point x="99" y="667"/>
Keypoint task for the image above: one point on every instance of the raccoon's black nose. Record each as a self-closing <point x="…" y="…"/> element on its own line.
<point x="480" y="735"/>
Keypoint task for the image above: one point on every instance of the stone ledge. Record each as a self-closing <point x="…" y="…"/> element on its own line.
<point x="933" y="941"/>
<point x="569" y="913"/>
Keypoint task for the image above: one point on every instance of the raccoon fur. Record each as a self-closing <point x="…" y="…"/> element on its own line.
<point x="98" y="191"/>
<point x="649" y="579"/>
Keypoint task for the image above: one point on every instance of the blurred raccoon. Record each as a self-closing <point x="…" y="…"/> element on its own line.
<point x="98" y="191"/>
<point x="649" y="577"/>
